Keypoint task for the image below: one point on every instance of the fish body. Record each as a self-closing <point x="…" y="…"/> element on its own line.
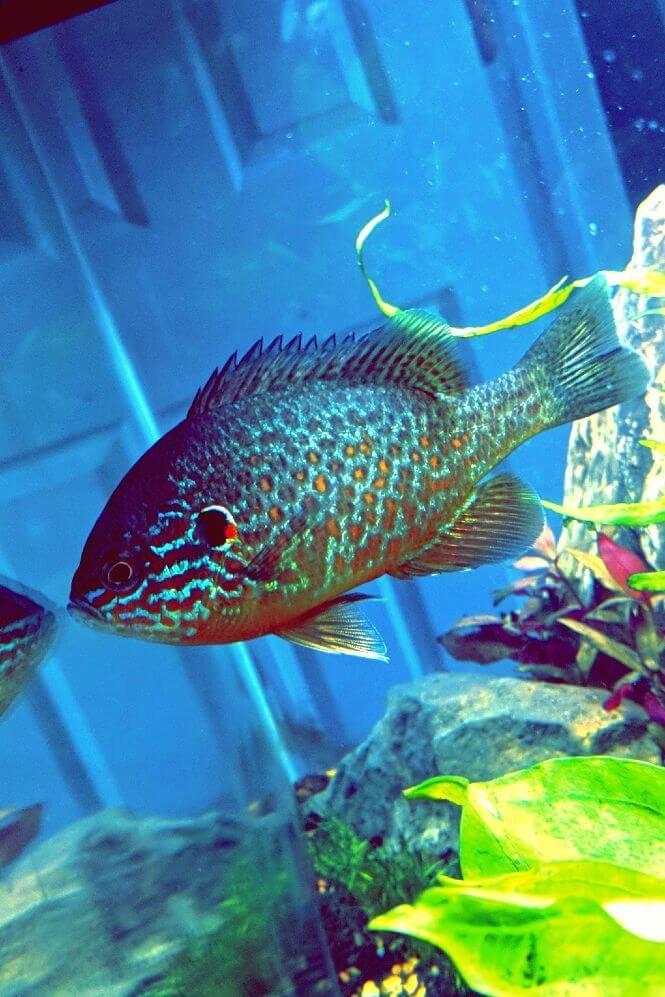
<point x="300" y="473"/>
<point x="27" y="630"/>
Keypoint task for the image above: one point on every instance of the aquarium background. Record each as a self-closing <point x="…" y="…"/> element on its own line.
<point x="180" y="178"/>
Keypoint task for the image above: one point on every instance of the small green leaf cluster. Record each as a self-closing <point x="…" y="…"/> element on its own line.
<point x="564" y="881"/>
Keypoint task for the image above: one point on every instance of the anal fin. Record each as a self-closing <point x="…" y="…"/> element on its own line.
<point x="503" y="518"/>
<point x="336" y="627"/>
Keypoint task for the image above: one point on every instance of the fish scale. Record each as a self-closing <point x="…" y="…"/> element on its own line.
<point x="303" y="471"/>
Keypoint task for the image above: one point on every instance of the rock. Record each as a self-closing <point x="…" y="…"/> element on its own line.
<point x="471" y="726"/>
<point x="605" y="463"/>
<point x="101" y="906"/>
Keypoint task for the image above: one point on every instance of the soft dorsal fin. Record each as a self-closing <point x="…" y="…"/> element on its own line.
<point x="413" y="350"/>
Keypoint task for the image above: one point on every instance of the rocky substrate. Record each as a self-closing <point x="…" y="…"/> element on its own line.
<point x="474" y="727"/>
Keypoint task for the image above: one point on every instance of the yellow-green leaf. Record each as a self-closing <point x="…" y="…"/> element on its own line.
<point x="440" y="787"/>
<point x="554" y="931"/>
<point x="619" y="514"/>
<point x="596" y="566"/>
<point x="362" y="236"/>
<point x="654" y="445"/>
<point x="614" y="648"/>
<point x="647" y="581"/>
<point x="603" y="808"/>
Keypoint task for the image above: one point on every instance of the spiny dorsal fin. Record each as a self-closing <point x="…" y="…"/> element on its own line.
<point x="503" y="518"/>
<point x="413" y="350"/>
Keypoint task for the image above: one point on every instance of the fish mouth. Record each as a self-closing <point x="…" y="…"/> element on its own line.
<point x="84" y="612"/>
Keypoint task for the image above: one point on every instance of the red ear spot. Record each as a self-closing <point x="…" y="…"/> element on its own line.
<point x="217" y="526"/>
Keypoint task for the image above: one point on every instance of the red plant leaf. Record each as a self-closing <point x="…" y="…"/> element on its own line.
<point x="621" y="564"/>
<point x="654" y="708"/>
<point x="546" y="544"/>
<point x="613" y="702"/>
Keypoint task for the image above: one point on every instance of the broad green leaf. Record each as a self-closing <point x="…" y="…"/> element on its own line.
<point x="614" y="648"/>
<point x="648" y="581"/>
<point x="603" y="808"/>
<point x="620" y="514"/>
<point x="546" y="932"/>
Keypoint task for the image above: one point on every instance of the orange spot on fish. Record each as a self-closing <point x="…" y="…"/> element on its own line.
<point x="378" y="483"/>
<point x="275" y="514"/>
<point x="384" y="466"/>
<point x="300" y="475"/>
<point x="371" y="517"/>
<point x="456" y="443"/>
<point x="350" y="450"/>
<point x="320" y="483"/>
<point x="333" y="528"/>
<point x="254" y="459"/>
<point x="415" y="457"/>
<point x="434" y="461"/>
<point x="339" y="564"/>
<point x="312" y="457"/>
<point x="369" y="497"/>
<point x="365" y="448"/>
<point x="355" y="532"/>
<point x="265" y="484"/>
<point x="424" y="440"/>
<point x="465" y="437"/>
<point x="359" y="473"/>
<point x="349" y="491"/>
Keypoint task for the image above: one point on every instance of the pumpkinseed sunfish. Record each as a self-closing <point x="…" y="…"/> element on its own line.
<point x="302" y="471"/>
<point x="27" y="629"/>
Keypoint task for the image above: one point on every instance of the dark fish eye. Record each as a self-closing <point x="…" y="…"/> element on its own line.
<point x="217" y="526"/>
<point x="118" y="574"/>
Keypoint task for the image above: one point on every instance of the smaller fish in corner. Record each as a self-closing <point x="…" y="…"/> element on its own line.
<point x="27" y="631"/>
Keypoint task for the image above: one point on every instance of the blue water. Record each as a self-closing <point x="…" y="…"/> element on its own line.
<point x="177" y="179"/>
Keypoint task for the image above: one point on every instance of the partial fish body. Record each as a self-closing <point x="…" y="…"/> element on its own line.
<point x="302" y="472"/>
<point x="27" y="629"/>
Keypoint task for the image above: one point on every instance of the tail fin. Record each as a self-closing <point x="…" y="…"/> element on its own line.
<point x="580" y="360"/>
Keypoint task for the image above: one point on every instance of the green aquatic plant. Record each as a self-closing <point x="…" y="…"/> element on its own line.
<point x="375" y="876"/>
<point x="357" y="881"/>
<point x="641" y="280"/>
<point x="563" y="887"/>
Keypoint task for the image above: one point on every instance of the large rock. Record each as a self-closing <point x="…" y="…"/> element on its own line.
<point x="470" y="726"/>
<point x="100" y="907"/>
<point x="605" y="461"/>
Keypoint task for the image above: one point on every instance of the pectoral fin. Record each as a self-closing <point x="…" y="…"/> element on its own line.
<point x="337" y="627"/>
<point x="502" y="519"/>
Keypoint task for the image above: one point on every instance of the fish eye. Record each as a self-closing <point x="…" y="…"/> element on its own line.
<point x="217" y="526"/>
<point x="118" y="574"/>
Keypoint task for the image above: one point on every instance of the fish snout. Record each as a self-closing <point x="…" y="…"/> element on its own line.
<point x="84" y="612"/>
